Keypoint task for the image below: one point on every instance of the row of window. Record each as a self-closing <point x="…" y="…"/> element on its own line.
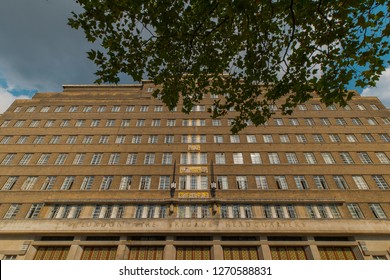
<point x="185" y="122"/>
<point x="170" y="138"/>
<point x="192" y="182"/>
<point x="159" y="108"/>
<point x="193" y="158"/>
<point x="204" y="211"/>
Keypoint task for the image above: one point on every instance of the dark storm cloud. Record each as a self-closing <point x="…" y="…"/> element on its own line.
<point x="37" y="47"/>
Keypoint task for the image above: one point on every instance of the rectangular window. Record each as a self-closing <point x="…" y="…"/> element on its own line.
<point x="88" y="139"/>
<point x="78" y="159"/>
<point x="171" y="122"/>
<point x="382" y="157"/>
<point x="380" y="182"/>
<point x="216" y="122"/>
<point x="34" y="123"/>
<point x="317" y="107"/>
<point x="39" y="139"/>
<point x="220" y="158"/>
<point x="8" y="159"/>
<point x="273" y="158"/>
<point x="87" y="183"/>
<point x="351" y="138"/>
<point x="6" y="139"/>
<point x="25" y="159"/>
<point x="87" y="109"/>
<point x="346" y="158"/>
<point x="164" y="183"/>
<point x="302" y="107"/>
<point x="106" y="183"/>
<point x="261" y="182"/>
<point x="136" y="139"/>
<point x="360" y="182"/>
<point x="292" y="158"/>
<point x="101" y="108"/>
<point x="251" y="138"/>
<point x="43" y="159"/>
<point x="130" y="108"/>
<point x="361" y="107"/>
<point x="96" y="158"/>
<point x="55" y="139"/>
<point x="325" y="121"/>
<point x="61" y="158"/>
<point x="68" y="182"/>
<point x="242" y="183"/>
<point x="48" y="183"/>
<point x="116" y="108"/>
<point x="110" y="123"/>
<point x="234" y="139"/>
<point x="385" y="137"/>
<point x="310" y="158"/>
<point x="356" y="121"/>
<point x="31" y="109"/>
<point x="301" y="138"/>
<point x="309" y="122"/>
<point x="144" y="108"/>
<point x="222" y="182"/>
<point x="120" y="139"/>
<point x="301" y="183"/>
<point x="320" y="182"/>
<point x="255" y="158"/>
<point x="73" y="109"/>
<point x="125" y="123"/>
<point x="328" y="158"/>
<point x="278" y="122"/>
<point x="166" y="158"/>
<point x="11" y="181"/>
<point x="29" y="183"/>
<point x="114" y="159"/>
<point x="95" y="123"/>
<point x="284" y="138"/>
<point x="21" y="123"/>
<point x="149" y="158"/>
<point x="334" y="138"/>
<point x="368" y="138"/>
<point x="377" y="211"/>
<point x="22" y="139"/>
<point x="365" y="158"/>
<point x="158" y="108"/>
<point x="80" y="123"/>
<point x="268" y="138"/>
<point x="12" y="211"/>
<point x="340" y="182"/>
<point x="131" y="158"/>
<point x="293" y="121"/>
<point x="156" y="122"/>
<point x="238" y="158"/>
<point x="169" y="139"/>
<point x="281" y="182"/>
<point x="355" y="211"/>
<point x="372" y="121"/>
<point x="125" y="183"/>
<point x="153" y="139"/>
<point x="218" y="139"/>
<point x="144" y="183"/>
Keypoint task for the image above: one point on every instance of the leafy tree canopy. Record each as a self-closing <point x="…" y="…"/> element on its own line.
<point x="252" y="52"/>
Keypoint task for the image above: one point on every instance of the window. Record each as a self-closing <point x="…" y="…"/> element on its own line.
<point x="87" y="109"/>
<point x="351" y="138"/>
<point x="88" y="139"/>
<point x="130" y="108"/>
<point x="310" y="158"/>
<point x="96" y="158"/>
<point x="106" y="183"/>
<point x="144" y="108"/>
<point x="193" y="138"/>
<point x="166" y="158"/>
<point x="31" y="109"/>
<point x="136" y="139"/>
<point x="125" y="123"/>
<point x="21" y="123"/>
<point x="125" y="183"/>
<point x="48" y="183"/>
<point x="377" y="211"/>
<point x="356" y="121"/>
<point x="140" y="123"/>
<point x="64" y="123"/>
<point x="380" y="182"/>
<point x="156" y="122"/>
<point x="340" y="182"/>
<point x="325" y="121"/>
<point x="317" y="107"/>
<point x="64" y="212"/>
<point x="198" y="108"/>
<point x="346" y="158"/>
<point x="193" y="182"/>
<point x="220" y="158"/>
<point x="365" y="158"/>
<point x="218" y="138"/>
<point x="22" y="139"/>
<point x="385" y="137"/>
<point x="234" y="139"/>
<point x="25" y="159"/>
<point x="332" y="107"/>
<point x="355" y="211"/>
<point x="301" y="138"/>
<point x="110" y="123"/>
<point x="13" y="257"/>
<point x="222" y="182"/>
<point x="238" y="158"/>
<point x="45" y="109"/>
<point x="278" y="122"/>
<point x="386" y="121"/>
<point x="273" y="158"/>
<point x="360" y="182"/>
<point x="340" y="121"/>
<point x="120" y="139"/>
<point x="292" y="158"/>
<point x="79" y="159"/>
<point x="68" y="182"/>
<point x="382" y="157"/>
<point x="320" y="182"/>
<point x="158" y="108"/>
<point x="261" y="182"/>
<point x="255" y="158"/>
<point x="281" y="182"/>
<point x="149" y="158"/>
<point x="328" y="158"/>
<point x="251" y="138"/>
<point x="8" y="159"/>
<point x="302" y="107"/>
<point x="153" y="139"/>
<point x="334" y="138"/>
<point x="29" y="183"/>
<point x="6" y="139"/>
<point x="372" y="121"/>
<point x="5" y="123"/>
<point x="12" y="211"/>
<point x="39" y="139"/>
<point x="87" y="183"/>
<point x="293" y="121"/>
<point x="55" y="139"/>
<point x="107" y="212"/>
<point x="116" y="108"/>
<point x="101" y="108"/>
<point x="10" y="183"/>
<point x="169" y="139"/>
<point x="374" y="107"/>
<point x="368" y="138"/>
<point x="43" y="159"/>
<point x="284" y="138"/>
<point x="61" y="158"/>
<point x="268" y="138"/>
<point x="144" y="183"/>
<point x="80" y="123"/>
<point x="361" y="107"/>
<point x="301" y="182"/>
<point x="95" y="123"/>
<point x="309" y="122"/>
<point x="131" y="158"/>
<point x="171" y="122"/>
<point x="73" y="109"/>
<point x="114" y="159"/>
<point x="34" y="123"/>
<point x="164" y="183"/>
<point x="242" y="183"/>
<point x="216" y="122"/>
<point x="104" y="139"/>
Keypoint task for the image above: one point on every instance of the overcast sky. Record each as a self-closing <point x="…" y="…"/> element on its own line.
<point x="39" y="52"/>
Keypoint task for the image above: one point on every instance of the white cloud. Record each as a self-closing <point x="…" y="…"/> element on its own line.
<point x="6" y="99"/>
<point x="382" y="89"/>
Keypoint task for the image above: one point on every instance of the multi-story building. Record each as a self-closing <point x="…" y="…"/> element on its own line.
<point x="107" y="172"/>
